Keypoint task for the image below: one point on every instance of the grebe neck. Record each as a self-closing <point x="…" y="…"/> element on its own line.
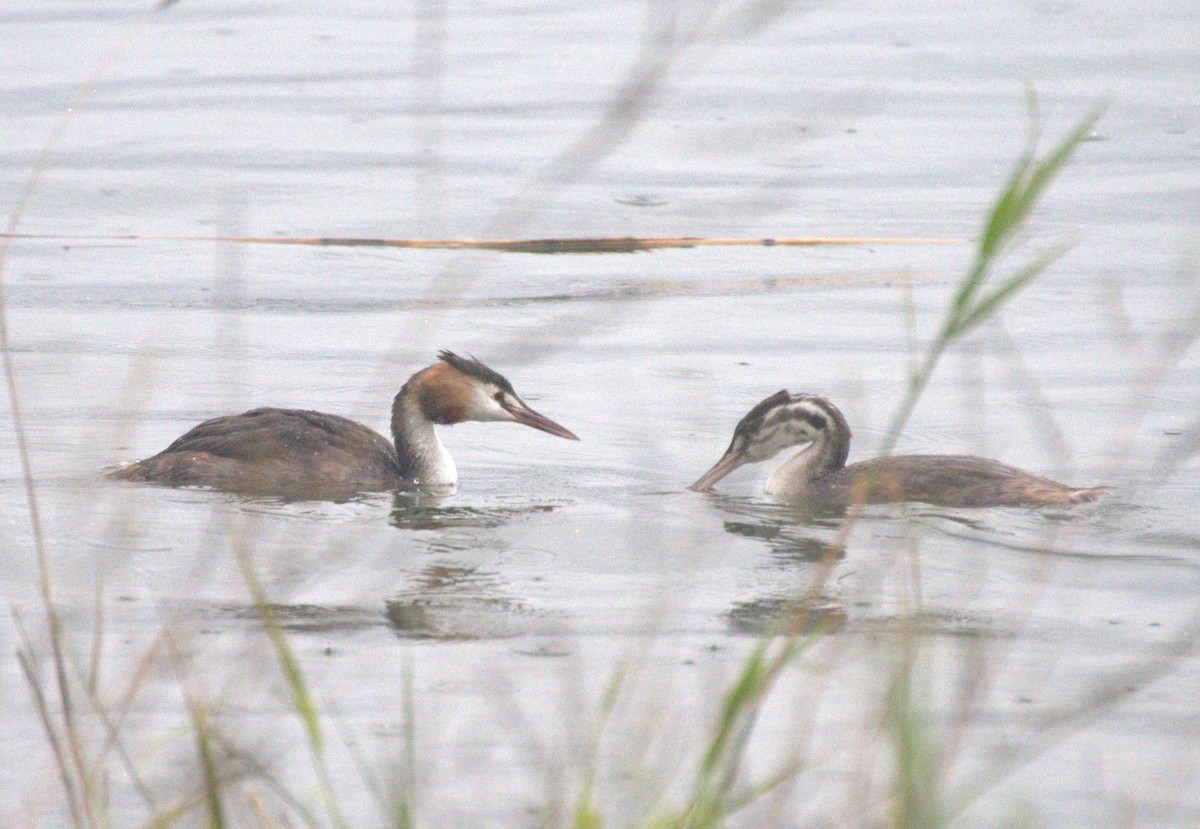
<point x="824" y="456"/>
<point x="421" y="457"/>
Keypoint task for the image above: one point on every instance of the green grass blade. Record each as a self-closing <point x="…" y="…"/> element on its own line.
<point x="586" y="816"/>
<point x="1026" y="184"/>
<point x="27" y="662"/>
<point x="988" y="306"/>
<point x="712" y="799"/>
<point x="1008" y="211"/>
<point x="302" y="700"/>
<point x="1044" y="171"/>
<point x="917" y="797"/>
<point x="960" y="306"/>
<point x="740" y="699"/>
<point x="208" y="765"/>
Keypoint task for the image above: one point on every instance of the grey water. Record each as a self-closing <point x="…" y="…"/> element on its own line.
<point x="1058" y="651"/>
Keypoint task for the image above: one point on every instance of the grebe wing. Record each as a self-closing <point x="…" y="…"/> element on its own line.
<point x="951" y="480"/>
<point x="268" y="434"/>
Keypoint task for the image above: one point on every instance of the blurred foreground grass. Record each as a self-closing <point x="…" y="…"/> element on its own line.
<point x="220" y="782"/>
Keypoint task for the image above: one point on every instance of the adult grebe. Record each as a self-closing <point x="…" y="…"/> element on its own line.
<point x="290" y="451"/>
<point x="818" y="473"/>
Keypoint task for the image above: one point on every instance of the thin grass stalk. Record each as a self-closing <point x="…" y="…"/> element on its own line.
<point x="70" y="747"/>
<point x="91" y="679"/>
<point x="1052" y="729"/>
<point x="755" y="792"/>
<point x="917" y="799"/>
<point x="208" y="766"/>
<point x="383" y="799"/>
<point x="1026" y="183"/>
<point x="260" y="811"/>
<point x="919" y="806"/>
<point x="210" y="794"/>
<point x="398" y="804"/>
<point x="74" y="739"/>
<point x="405" y="808"/>
<point x="163" y="819"/>
<point x="302" y="700"/>
<point x="27" y="661"/>
<point x="264" y="775"/>
<point x="112" y="726"/>
<point x="713" y="798"/>
<point x="587" y="814"/>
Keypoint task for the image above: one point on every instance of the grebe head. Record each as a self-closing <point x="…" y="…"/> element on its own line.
<point x="780" y="421"/>
<point x="461" y="388"/>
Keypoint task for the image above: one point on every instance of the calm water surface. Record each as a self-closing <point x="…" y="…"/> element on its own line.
<point x="508" y="606"/>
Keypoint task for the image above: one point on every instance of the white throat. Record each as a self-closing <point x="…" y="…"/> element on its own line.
<point x="791" y="479"/>
<point x="423" y="459"/>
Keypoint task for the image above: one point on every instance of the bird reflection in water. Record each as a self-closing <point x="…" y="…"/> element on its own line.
<point x="798" y="537"/>
<point x="794" y="534"/>
<point x="786" y="615"/>
<point x="417" y="510"/>
<point x="451" y="602"/>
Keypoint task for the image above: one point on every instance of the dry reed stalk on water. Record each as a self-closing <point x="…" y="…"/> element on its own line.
<point x="593" y="244"/>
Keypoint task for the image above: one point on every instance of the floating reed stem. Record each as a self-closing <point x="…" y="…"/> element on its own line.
<point x="599" y="244"/>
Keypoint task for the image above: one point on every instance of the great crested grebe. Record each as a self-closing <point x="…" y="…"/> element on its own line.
<point x="283" y="451"/>
<point x="818" y="473"/>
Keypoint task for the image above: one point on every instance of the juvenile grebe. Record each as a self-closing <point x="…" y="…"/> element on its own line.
<point x="288" y="451"/>
<point x="818" y="473"/>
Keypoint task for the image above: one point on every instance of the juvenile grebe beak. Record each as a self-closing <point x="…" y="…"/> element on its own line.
<point x="527" y="416"/>
<point x="732" y="460"/>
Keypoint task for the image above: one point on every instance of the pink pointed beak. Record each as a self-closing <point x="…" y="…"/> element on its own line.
<point x="732" y="460"/>
<point x="527" y="416"/>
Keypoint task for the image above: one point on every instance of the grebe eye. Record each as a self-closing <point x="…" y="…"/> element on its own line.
<point x="498" y="397"/>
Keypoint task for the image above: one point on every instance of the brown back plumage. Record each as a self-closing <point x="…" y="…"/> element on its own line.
<point x="948" y="480"/>
<point x="268" y="449"/>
